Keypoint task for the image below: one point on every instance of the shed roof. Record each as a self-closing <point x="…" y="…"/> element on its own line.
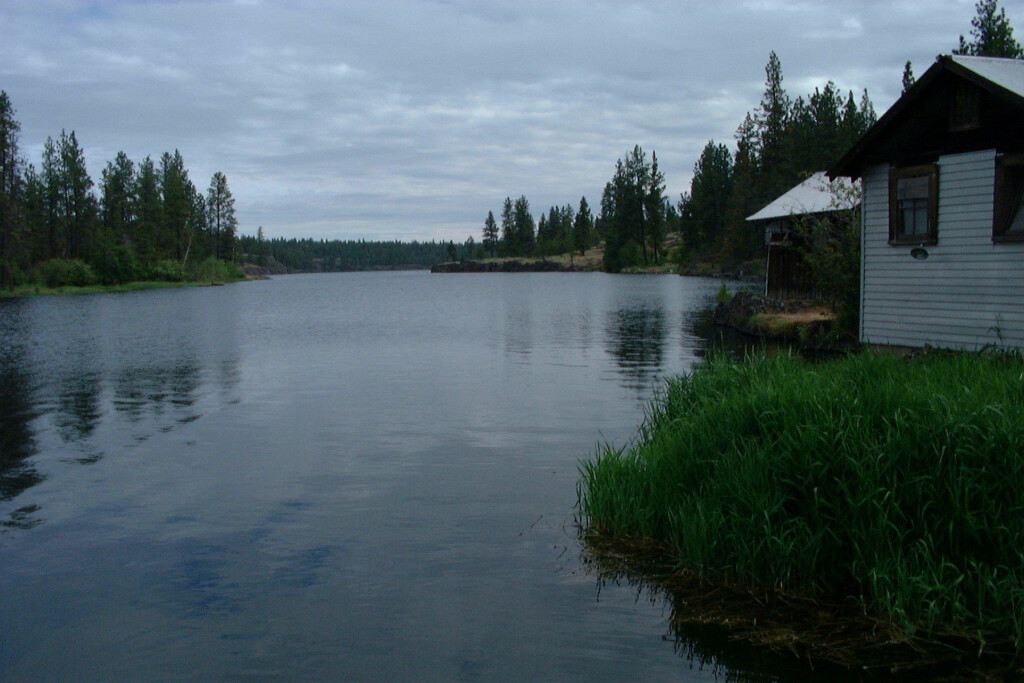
<point x="814" y="195"/>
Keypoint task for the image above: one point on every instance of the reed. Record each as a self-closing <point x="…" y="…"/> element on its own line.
<point x="897" y="482"/>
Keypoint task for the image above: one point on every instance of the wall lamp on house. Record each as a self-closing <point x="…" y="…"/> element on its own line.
<point x="920" y="253"/>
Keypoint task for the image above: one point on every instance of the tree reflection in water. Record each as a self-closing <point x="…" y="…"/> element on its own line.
<point x="17" y="442"/>
<point x="83" y="377"/>
<point x="636" y="339"/>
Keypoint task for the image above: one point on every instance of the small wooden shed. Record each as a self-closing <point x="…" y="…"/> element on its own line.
<point x="942" y="238"/>
<point x="788" y="275"/>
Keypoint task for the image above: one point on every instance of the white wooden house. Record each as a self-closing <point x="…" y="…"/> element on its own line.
<point x="942" y="239"/>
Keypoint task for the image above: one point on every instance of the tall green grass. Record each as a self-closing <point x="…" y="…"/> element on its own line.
<point x="899" y="482"/>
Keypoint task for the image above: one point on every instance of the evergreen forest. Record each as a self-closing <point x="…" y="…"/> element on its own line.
<point x="145" y="220"/>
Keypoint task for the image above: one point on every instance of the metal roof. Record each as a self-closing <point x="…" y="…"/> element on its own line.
<point x="814" y="195"/>
<point x="1006" y="73"/>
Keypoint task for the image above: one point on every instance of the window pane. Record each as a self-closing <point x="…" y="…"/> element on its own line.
<point x="914" y="217"/>
<point x="920" y="217"/>
<point x="1017" y="220"/>
<point x="907" y="219"/>
<point x="1015" y="199"/>
<point x="912" y="188"/>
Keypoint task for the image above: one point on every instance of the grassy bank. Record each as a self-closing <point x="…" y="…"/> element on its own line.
<point x="60" y="276"/>
<point x="898" y="483"/>
<point x="34" y="290"/>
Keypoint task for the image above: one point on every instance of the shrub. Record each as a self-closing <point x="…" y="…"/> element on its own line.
<point x="214" y="270"/>
<point x="118" y="264"/>
<point x="166" y="270"/>
<point x="629" y="255"/>
<point x="65" y="273"/>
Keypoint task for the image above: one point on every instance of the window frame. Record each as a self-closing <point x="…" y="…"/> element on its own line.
<point x="1006" y="164"/>
<point x="896" y="173"/>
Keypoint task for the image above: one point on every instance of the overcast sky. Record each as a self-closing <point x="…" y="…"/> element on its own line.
<point x="410" y="120"/>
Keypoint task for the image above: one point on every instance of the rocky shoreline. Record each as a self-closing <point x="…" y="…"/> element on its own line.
<point x="806" y="323"/>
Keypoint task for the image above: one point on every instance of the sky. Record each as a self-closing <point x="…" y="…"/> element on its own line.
<point x="410" y="120"/>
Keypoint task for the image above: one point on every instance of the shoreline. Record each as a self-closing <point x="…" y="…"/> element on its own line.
<point x="793" y="536"/>
<point x="809" y="324"/>
<point x="787" y="628"/>
<point x="24" y="291"/>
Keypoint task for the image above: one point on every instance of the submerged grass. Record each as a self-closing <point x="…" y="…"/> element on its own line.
<point x="896" y="482"/>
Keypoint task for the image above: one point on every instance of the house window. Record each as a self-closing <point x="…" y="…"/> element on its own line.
<point x="1008" y="220"/>
<point x="914" y="205"/>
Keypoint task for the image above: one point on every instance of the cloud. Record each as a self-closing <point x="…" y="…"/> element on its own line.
<point x="413" y="119"/>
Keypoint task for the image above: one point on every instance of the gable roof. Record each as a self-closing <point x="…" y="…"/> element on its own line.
<point x="814" y="195"/>
<point x="1002" y="78"/>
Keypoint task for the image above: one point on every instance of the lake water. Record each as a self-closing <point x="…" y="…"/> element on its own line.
<point x="330" y="477"/>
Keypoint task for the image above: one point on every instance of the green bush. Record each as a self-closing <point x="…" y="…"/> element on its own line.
<point x="65" y="273"/>
<point x="897" y="482"/>
<point x="629" y="255"/>
<point x="118" y="264"/>
<point x="166" y="270"/>
<point x="213" y="270"/>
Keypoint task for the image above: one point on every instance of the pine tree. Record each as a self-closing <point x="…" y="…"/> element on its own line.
<point x="118" y="201"/>
<point x="654" y="210"/>
<point x="490" y="234"/>
<point x="37" y="245"/>
<point x="53" y="224"/>
<point x="199" y="234"/>
<point x="177" y="193"/>
<point x="509" y="239"/>
<point x="908" y="74"/>
<point x="544" y="233"/>
<point x="771" y="122"/>
<point x="819" y="131"/>
<point x="631" y="222"/>
<point x="220" y="213"/>
<point x="991" y="34"/>
<point x="745" y="196"/>
<point x="78" y="207"/>
<point x="149" y="211"/>
<point x="583" y="227"/>
<point x="704" y="213"/>
<point x="11" y="216"/>
<point x="525" y="228"/>
<point x="867" y="111"/>
<point x="262" y="247"/>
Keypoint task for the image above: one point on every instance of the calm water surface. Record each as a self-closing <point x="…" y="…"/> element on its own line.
<point x="340" y="477"/>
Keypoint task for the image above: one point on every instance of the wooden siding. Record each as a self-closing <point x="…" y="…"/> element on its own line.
<point x="968" y="293"/>
<point x="789" y="276"/>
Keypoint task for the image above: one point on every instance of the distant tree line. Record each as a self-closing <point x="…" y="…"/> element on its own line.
<point x="146" y="222"/>
<point x="310" y="255"/>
